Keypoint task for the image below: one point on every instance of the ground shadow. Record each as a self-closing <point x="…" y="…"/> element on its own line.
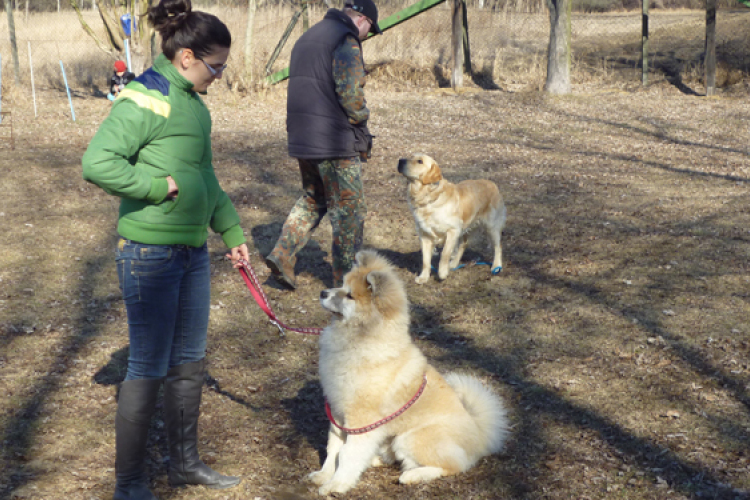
<point x="309" y="418"/>
<point x="311" y="259"/>
<point x="113" y="373"/>
<point x="19" y="433"/>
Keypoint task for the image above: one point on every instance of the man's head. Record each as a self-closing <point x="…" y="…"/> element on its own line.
<point x="120" y="66"/>
<point x="364" y="13"/>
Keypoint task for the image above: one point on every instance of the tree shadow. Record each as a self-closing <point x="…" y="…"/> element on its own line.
<point x="19" y="431"/>
<point x="672" y="70"/>
<point x="535" y="403"/>
<point x="442" y="81"/>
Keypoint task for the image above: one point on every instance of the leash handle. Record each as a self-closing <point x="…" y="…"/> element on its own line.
<point x="253" y="284"/>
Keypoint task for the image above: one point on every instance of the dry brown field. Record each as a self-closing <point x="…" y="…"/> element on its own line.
<point x="618" y="332"/>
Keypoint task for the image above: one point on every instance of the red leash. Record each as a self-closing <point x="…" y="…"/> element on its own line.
<point x="362" y="430"/>
<point x="248" y="274"/>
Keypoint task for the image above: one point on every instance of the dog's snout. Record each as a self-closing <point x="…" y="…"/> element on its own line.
<point x="324" y="295"/>
<point x="401" y="165"/>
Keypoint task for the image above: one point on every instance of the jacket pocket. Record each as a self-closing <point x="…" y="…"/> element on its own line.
<point x="190" y="206"/>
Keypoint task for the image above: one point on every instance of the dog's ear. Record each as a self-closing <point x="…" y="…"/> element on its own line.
<point x="433" y="175"/>
<point x="376" y="281"/>
<point x="364" y="257"/>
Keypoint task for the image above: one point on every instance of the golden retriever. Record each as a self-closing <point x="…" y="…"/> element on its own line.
<point x="445" y="213"/>
<point x="371" y="370"/>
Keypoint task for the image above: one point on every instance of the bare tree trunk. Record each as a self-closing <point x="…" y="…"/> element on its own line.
<point x="113" y="28"/>
<point x="252" y="6"/>
<point x="710" y="59"/>
<point x="146" y="34"/>
<point x="87" y="28"/>
<point x="465" y="34"/>
<point x="457" y="43"/>
<point x="13" y="46"/>
<point x="558" y="54"/>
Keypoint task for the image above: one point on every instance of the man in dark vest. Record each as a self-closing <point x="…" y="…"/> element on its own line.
<point x="327" y="132"/>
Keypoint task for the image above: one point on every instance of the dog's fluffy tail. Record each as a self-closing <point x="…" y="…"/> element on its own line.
<point x="485" y="407"/>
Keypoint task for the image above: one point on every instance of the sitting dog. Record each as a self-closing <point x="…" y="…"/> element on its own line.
<point x="445" y="213"/>
<point x="385" y="402"/>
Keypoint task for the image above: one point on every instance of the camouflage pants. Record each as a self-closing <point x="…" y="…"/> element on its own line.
<point x="333" y="187"/>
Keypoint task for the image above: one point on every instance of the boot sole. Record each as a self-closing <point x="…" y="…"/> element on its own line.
<point x="279" y="273"/>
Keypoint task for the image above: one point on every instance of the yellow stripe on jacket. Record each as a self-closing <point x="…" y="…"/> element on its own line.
<point x="158" y="106"/>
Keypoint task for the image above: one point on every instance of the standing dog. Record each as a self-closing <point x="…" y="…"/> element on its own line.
<point x="446" y="212"/>
<point x="371" y="371"/>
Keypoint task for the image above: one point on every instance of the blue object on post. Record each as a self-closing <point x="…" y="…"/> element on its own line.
<point x="128" y="24"/>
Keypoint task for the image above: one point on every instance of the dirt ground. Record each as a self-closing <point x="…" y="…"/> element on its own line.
<point x="618" y="332"/>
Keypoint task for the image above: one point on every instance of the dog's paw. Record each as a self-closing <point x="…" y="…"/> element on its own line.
<point x="422" y="279"/>
<point x="420" y="475"/>
<point x="442" y="274"/>
<point x="335" y="486"/>
<point x="318" y="477"/>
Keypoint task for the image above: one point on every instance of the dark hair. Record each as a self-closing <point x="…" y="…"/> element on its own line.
<point x="181" y="28"/>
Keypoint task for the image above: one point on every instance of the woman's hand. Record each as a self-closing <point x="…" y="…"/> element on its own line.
<point x="173" y="189"/>
<point x="237" y="254"/>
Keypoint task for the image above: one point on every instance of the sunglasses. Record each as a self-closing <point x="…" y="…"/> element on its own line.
<point x="211" y="69"/>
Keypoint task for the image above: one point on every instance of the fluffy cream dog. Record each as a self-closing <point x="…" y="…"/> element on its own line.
<point x="371" y="370"/>
<point x="445" y="213"/>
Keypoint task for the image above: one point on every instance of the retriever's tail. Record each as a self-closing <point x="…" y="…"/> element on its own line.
<point x="485" y="407"/>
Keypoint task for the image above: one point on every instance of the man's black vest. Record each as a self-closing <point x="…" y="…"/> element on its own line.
<point x="316" y="124"/>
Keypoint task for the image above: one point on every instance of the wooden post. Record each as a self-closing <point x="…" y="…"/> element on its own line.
<point x="457" y="43"/>
<point x="252" y="7"/>
<point x="644" y="42"/>
<point x="13" y="46"/>
<point x="710" y="60"/>
<point x="305" y="17"/>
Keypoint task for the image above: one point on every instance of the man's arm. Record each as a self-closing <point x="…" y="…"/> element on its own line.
<point x="349" y="75"/>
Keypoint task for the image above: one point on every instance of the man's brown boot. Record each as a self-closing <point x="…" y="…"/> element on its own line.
<point x="282" y="270"/>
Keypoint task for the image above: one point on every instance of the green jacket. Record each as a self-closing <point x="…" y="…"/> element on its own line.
<point x="159" y="127"/>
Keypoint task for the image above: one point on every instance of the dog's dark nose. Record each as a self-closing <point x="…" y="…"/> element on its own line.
<point x="324" y="294"/>
<point x="401" y="165"/>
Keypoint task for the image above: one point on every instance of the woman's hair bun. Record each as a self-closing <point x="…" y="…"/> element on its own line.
<point x="181" y="28"/>
<point x="168" y="16"/>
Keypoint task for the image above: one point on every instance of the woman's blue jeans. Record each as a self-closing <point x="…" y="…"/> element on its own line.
<point x="166" y="289"/>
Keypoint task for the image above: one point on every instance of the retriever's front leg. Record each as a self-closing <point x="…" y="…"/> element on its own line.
<point x="427" y="246"/>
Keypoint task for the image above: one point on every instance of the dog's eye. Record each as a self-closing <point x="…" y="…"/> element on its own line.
<point x="419" y="161"/>
<point x="349" y="296"/>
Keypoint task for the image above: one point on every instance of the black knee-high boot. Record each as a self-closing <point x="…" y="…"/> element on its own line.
<point x="182" y="399"/>
<point x="134" y="410"/>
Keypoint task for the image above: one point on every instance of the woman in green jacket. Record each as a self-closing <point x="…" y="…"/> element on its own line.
<point x="154" y="152"/>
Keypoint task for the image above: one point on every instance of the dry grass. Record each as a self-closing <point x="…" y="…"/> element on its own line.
<point x="618" y="332"/>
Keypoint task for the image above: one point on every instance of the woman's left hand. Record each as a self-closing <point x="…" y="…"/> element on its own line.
<point x="237" y="254"/>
